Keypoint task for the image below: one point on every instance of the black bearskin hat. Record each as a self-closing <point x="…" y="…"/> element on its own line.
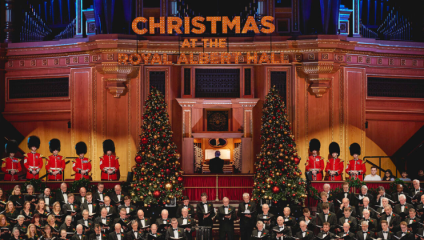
<point x="11" y="146"/>
<point x="314" y="144"/>
<point x="54" y="144"/>
<point x="33" y="141"/>
<point x="108" y="145"/>
<point x="355" y="149"/>
<point x="81" y="147"/>
<point x="334" y="148"/>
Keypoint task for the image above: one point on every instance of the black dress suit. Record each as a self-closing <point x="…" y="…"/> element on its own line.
<point x="125" y="223"/>
<point x="191" y="221"/>
<point x="96" y="197"/>
<point x="76" y="237"/>
<point x="246" y="224"/>
<point x="90" y="226"/>
<point x="132" y="210"/>
<point x="329" y="235"/>
<point x="347" y="195"/>
<point x="69" y="228"/>
<point x="290" y="221"/>
<point x="80" y="200"/>
<point x="112" y="236"/>
<point x="361" y="210"/>
<point x="330" y="205"/>
<point x="320" y="218"/>
<point x="381" y="235"/>
<point x="226" y="225"/>
<point x="352" y="222"/>
<point x="103" y="236"/>
<point x="60" y="197"/>
<point x="190" y="209"/>
<point x="146" y="223"/>
<point x="264" y="234"/>
<point x="398" y="209"/>
<point x="415" y="222"/>
<point x="114" y="197"/>
<point x="216" y="165"/>
<point x="130" y="235"/>
<point x="268" y="223"/>
<point x="161" y="221"/>
<point x="311" y="223"/>
<point x="370" y="197"/>
<point x="372" y="224"/>
<point x="286" y="231"/>
<point x="407" y="236"/>
<point x="394" y="221"/>
<point x="171" y="233"/>
<point x="309" y="235"/>
<point x="350" y="234"/>
<point x="94" y="207"/>
<point x="111" y="211"/>
<point x="360" y="235"/>
<point x="395" y="196"/>
<point x="200" y="211"/>
<point x="52" y="200"/>
<point x="98" y="220"/>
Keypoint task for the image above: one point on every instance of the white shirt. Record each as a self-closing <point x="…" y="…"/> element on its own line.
<point x="118" y="236"/>
<point x="226" y="210"/>
<point x="90" y="208"/>
<point x="386" y="235"/>
<point x="389" y="218"/>
<point x="184" y="221"/>
<point x="135" y="234"/>
<point x="47" y="200"/>
<point x="82" y="200"/>
<point x="128" y="209"/>
<point x="86" y="222"/>
<point x="372" y="178"/>
<point x="118" y="196"/>
<point x="259" y="233"/>
<point x="65" y="197"/>
<point x="175" y="233"/>
<point x="101" y="195"/>
<point x="402" y="208"/>
<point x="104" y="220"/>
<point x="205" y="206"/>
<point x="143" y="222"/>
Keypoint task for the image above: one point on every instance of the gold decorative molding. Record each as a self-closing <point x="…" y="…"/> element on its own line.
<point x="319" y="75"/>
<point x="116" y="76"/>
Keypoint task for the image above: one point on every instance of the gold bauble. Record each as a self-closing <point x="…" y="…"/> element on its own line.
<point x="150" y="193"/>
<point x="267" y="180"/>
<point x="142" y="153"/>
<point x="289" y="184"/>
<point x="281" y="154"/>
<point x="286" y="157"/>
<point x="277" y="122"/>
<point x="176" y="174"/>
<point x="263" y="191"/>
<point x="148" y="155"/>
<point x="279" y="135"/>
<point x="159" y="175"/>
<point x="270" y="121"/>
<point x="154" y="164"/>
<point x="156" y="148"/>
<point x="168" y="147"/>
<point x="155" y="186"/>
<point x="173" y="182"/>
<point x="177" y="155"/>
<point x="281" y="145"/>
<point x="145" y="205"/>
<point x="168" y="186"/>
<point x="167" y="201"/>
<point x="155" y="137"/>
<point x="141" y="197"/>
<point x="285" y="133"/>
<point x="132" y="194"/>
<point x="270" y="197"/>
<point x="254" y="184"/>
<point x="142" y="169"/>
<point x="269" y="153"/>
<point x="291" y="158"/>
<point x="268" y="186"/>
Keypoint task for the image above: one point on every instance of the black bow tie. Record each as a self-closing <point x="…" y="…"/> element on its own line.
<point x="364" y="232"/>
<point x="175" y="229"/>
<point x="325" y="214"/>
<point x="203" y="203"/>
<point x="225" y="206"/>
<point x="185" y="218"/>
<point x="303" y="231"/>
<point x="385" y="232"/>
<point x="185" y="206"/>
<point x="103" y="218"/>
<point x="97" y="235"/>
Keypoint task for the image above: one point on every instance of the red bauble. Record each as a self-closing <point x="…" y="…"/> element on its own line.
<point x="296" y="160"/>
<point x="275" y="189"/>
<point x="167" y="171"/>
<point x="294" y="195"/>
<point x="138" y="159"/>
<point x="180" y="179"/>
<point x="156" y="194"/>
<point x="280" y="162"/>
<point x="144" y="140"/>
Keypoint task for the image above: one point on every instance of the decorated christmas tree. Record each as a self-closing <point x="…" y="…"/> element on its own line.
<point x="157" y="171"/>
<point x="277" y="174"/>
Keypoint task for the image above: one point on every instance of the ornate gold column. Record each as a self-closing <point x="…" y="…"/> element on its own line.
<point x="116" y="76"/>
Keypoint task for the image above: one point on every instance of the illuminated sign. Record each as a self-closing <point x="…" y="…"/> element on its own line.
<point x="197" y="25"/>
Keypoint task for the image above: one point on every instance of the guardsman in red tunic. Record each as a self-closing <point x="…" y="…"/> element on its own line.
<point x="315" y="163"/>
<point x="335" y="166"/>
<point x="33" y="161"/>
<point x="11" y="165"/>
<point x="81" y="165"/>
<point x="109" y="164"/>
<point x="356" y="169"/>
<point x="55" y="164"/>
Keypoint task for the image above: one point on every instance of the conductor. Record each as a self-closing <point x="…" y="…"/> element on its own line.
<point x="216" y="164"/>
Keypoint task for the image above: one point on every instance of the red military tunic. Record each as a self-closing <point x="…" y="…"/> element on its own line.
<point x="81" y="164"/>
<point x="8" y="165"/>
<point x="334" y="164"/>
<point x="109" y="162"/>
<point x="33" y="161"/>
<point x="315" y="163"/>
<point x="55" y="163"/>
<point x="356" y="165"/>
